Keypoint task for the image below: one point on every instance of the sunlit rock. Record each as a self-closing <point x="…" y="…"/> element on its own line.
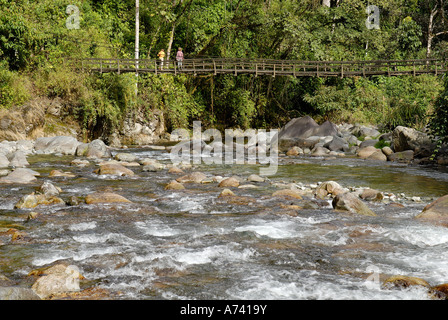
<point x="351" y="203"/>
<point x="105" y="197"/>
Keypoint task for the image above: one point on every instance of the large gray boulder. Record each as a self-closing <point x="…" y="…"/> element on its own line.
<point x="60" y="144"/>
<point x="350" y="202"/>
<point x="20" y="176"/>
<point x="337" y="144"/>
<point x="18" y="159"/>
<point x="364" y="131"/>
<point x="95" y="149"/>
<point x="304" y="132"/>
<point x="404" y="138"/>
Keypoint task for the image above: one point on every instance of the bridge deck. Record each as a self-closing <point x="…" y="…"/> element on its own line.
<point x="260" y="67"/>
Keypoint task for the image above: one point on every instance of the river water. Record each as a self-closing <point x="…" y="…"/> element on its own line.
<point x="190" y="244"/>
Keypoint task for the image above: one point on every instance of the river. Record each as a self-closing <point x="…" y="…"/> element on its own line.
<point x="190" y="244"/>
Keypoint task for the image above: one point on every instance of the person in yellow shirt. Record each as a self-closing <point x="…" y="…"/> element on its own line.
<point x="161" y="56"/>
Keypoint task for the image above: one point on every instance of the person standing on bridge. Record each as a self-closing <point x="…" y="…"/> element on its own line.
<point x="161" y="56"/>
<point x="179" y="58"/>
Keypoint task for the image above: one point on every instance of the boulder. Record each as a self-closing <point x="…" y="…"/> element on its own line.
<point x="303" y="127"/>
<point x="33" y="200"/>
<point x="403" y="282"/>
<point x="368" y="143"/>
<point x="255" y="178"/>
<point x="438" y="209"/>
<point x="20" y="176"/>
<point x="387" y="151"/>
<point x="59" y="173"/>
<point x="337" y="144"/>
<point x="378" y="155"/>
<point x="226" y="193"/>
<point x="4" y="162"/>
<point x="153" y="167"/>
<point x="364" y="131"/>
<point x="17" y="293"/>
<point x="49" y="189"/>
<point x="364" y="153"/>
<point x="56" y="280"/>
<point x="402" y="156"/>
<point x="288" y="193"/>
<point x="60" y="144"/>
<point x="298" y="130"/>
<point x="329" y="188"/>
<point x="104" y="197"/>
<point x="18" y="160"/>
<point x="229" y="183"/>
<point x="124" y="156"/>
<point x="351" y="203"/>
<point x="294" y="151"/>
<point x="194" y="177"/>
<point x="95" y="149"/>
<point x="319" y="151"/>
<point x="404" y="138"/>
<point x="175" y="170"/>
<point x="114" y="169"/>
<point x="174" y="185"/>
<point x="371" y="195"/>
<point x="443" y="288"/>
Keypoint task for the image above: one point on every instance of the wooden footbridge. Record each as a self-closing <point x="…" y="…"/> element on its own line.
<point x="266" y="67"/>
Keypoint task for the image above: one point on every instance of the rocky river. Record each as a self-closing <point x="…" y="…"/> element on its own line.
<point x="92" y="222"/>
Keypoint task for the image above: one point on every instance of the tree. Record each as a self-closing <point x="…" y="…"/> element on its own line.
<point x="437" y="21"/>
<point x="438" y="123"/>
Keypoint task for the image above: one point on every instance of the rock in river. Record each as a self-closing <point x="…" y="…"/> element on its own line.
<point x="114" y="169"/>
<point x="288" y="193"/>
<point x="229" y="182"/>
<point x="33" y="200"/>
<point x="174" y="185"/>
<point x="403" y="282"/>
<point x="20" y="176"/>
<point x="104" y="197"/>
<point x="194" y="177"/>
<point x="351" y="203"/>
<point x="17" y="293"/>
<point x="438" y="209"/>
<point x="60" y="144"/>
<point x="55" y="280"/>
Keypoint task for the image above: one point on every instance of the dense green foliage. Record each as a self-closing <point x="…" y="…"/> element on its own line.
<point x="438" y="125"/>
<point x="34" y="40"/>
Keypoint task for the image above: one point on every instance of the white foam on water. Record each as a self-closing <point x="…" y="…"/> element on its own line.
<point x="118" y="238"/>
<point x="281" y="229"/>
<point x="312" y="285"/>
<point x="214" y="254"/>
<point x="188" y="204"/>
<point x="420" y="235"/>
<point x="83" y="226"/>
<point x="79" y="255"/>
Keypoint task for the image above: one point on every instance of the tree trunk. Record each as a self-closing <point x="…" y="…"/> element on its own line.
<point x="326" y="3"/>
<point x="137" y="42"/>
<point x="431" y="31"/>
<point x="170" y="43"/>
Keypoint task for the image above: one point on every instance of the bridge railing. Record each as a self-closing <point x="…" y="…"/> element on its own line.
<point x="266" y="66"/>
